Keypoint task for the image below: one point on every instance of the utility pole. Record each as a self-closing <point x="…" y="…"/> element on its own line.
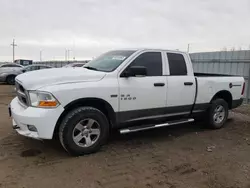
<point x="74" y="55"/>
<point x="188" y="48"/>
<point x="13" y="44"/>
<point x="67" y="57"/>
<point x="66" y="54"/>
<point x="41" y="55"/>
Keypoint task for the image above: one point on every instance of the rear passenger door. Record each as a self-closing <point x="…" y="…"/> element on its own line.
<point x="181" y="84"/>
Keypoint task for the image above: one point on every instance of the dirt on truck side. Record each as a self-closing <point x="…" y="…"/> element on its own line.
<point x="181" y="156"/>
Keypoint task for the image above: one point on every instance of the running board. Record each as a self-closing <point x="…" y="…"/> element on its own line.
<point x="146" y="127"/>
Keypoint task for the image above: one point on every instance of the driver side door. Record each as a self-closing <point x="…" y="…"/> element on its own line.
<point x="143" y="97"/>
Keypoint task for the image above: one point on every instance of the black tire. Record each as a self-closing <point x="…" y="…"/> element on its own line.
<point x="69" y="123"/>
<point x="10" y="79"/>
<point x="212" y="111"/>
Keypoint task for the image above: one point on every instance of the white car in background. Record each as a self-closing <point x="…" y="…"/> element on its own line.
<point x="9" y="74"/>
<point x="6" y="71"/>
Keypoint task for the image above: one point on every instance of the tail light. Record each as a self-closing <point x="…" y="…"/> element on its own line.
<point x="243" y="89"/>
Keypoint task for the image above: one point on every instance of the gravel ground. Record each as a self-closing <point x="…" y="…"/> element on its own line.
<point x="184" y="156"/>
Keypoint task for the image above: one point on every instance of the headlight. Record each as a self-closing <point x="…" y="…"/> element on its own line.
<point x="42" y="99"/>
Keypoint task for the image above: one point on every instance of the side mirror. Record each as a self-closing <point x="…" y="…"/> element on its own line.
<point x="135" y="71"/>
<point x="23" y="70"/>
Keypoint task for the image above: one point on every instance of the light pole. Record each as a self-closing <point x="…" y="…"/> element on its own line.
<point x="188" y="48"/>
<point x="69" y="54"/>
<point x="41" y="55"/>
<point x="66" y="54"/>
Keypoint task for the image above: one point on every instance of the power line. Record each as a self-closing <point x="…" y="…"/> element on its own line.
<point x="13" y="48"/>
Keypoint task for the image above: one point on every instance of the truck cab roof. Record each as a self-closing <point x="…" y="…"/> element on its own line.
<point x="152" y="49"/>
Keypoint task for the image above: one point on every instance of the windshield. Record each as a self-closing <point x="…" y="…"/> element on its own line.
<point x="109" y="61"/>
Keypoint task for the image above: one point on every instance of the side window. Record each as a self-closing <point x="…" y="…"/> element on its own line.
<point x="32" y="68"/>
<point x="152" y="61"/>
<point x="43" y="67"/>
<point x="177" y="64"/>
<point x="27" y="68"/>
<point x="35" y="68"/>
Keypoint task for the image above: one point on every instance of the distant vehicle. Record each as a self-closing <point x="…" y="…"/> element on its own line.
<point x="9" y="71"/>
<point x="8" y="65"/>
<point x="24" y="62"/>
<point x="74" y="65"/>
<point x="35" y="67"/>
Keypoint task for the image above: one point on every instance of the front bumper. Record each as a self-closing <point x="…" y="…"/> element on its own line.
<point x="44" y="120"/>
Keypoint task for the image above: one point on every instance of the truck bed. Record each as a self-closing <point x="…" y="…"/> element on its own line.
<point x="208" y="85"/>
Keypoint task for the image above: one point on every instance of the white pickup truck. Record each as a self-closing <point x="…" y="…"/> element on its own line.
<point x="129" y="90"/>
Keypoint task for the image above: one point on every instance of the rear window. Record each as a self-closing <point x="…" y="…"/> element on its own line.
<point x="177" y="64"/>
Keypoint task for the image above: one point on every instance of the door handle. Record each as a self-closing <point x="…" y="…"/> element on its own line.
<point x="188" y="83"/>
<point x="159" y="84"/>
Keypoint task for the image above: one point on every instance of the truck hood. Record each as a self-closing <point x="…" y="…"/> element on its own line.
<point x="36" y="79"/>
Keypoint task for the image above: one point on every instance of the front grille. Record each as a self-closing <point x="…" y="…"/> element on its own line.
<point x="21" y="88"/>
<point x="21" y="94"/>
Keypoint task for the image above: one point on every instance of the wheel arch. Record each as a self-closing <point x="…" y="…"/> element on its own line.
<point x="10" y="76"/>
<point x="98" y="103"/>
<point x="226" y="95"/>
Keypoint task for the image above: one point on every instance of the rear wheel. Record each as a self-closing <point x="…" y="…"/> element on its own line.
<point x="217" y="114"/>
<point x="84" y="130"/>
<point x="10" y="79"/>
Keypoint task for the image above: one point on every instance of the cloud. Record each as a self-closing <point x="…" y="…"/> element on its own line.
<point x="94" y="26"/>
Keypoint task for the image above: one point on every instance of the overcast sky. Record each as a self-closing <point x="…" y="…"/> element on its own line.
<point x="90" y="27"/>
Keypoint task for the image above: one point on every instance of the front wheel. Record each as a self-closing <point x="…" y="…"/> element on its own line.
<point x="217" y="113"/>
<point x="10" y="80"/>
<point x="84" y="130"/>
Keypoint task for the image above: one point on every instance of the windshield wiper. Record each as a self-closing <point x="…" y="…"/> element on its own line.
<point x="91" y="68"/>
